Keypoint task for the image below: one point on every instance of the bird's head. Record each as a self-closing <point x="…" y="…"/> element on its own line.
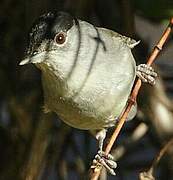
<point x="53" y="41"/>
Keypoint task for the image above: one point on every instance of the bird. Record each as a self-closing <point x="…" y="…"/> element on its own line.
<point x="87" y="73"/>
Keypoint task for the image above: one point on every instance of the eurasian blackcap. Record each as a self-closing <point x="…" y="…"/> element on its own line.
<point x="87" y="72"/>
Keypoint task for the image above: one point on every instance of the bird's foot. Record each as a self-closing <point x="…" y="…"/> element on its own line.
<point x="146" y="73"/>
<point x="101" y="159"/>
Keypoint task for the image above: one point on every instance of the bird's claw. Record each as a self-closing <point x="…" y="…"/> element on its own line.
<point x="146" y="73"/>
<point x="101" y="159"/>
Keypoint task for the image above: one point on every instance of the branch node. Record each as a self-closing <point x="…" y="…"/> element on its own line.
<point x="132" y="100"/>
<point x="158" y="47"/>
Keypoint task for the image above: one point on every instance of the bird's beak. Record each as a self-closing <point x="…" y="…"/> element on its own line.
<point x="38" y="58"/>
<point x="25" y="61"/>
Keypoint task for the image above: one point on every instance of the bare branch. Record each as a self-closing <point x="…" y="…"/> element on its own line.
<point x="150" y="173"/>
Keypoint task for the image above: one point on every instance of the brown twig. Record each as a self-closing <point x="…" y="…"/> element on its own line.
<point x="150" y="172"/>
<point x="161" y="153"/>
<point x="96" y="172"/>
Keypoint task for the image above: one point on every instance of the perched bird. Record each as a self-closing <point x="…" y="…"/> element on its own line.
<point x="87" y="72"/>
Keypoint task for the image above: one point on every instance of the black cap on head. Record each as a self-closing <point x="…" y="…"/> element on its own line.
<point x="48" y="25"/>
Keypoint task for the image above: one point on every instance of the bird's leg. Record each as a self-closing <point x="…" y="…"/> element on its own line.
<point x="101" y="159"/>
<point x="146" y="73"/>
<point x="100" y="136"/>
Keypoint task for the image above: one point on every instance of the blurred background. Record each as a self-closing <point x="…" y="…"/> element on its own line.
<point x="37" y="146"/>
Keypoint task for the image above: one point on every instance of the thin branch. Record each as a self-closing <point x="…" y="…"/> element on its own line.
<point x="96" y="172"/>
<point x="150" y="173"/>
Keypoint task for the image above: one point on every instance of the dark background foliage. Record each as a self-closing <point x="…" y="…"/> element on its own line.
<point x="37" y="146"/>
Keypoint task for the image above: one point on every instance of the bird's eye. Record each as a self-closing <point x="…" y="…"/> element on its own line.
<point x="60" y="38"/>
